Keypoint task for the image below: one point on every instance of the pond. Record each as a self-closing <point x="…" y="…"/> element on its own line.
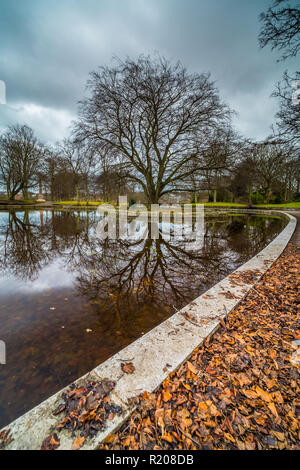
<point x="69" y="301"/>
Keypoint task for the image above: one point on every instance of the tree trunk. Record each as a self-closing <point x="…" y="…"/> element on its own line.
<point x="215" y="195"/>
<point x="87" y="192"/>
<point x="77" y="194"/>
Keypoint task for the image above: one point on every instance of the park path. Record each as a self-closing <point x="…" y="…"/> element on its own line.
<point x="296" y="237"/>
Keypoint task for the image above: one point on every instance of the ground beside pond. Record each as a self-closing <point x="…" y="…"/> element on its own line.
<point x="239" y="390"/>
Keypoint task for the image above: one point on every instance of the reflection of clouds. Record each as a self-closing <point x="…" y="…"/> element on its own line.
<point x="45" y="250"/>
<point x="51" y="277"/>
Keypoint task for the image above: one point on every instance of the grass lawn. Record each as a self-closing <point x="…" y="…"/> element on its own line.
<point x="217" y="204"/>
<point x="82" y="203"/>
<point x="295" y="205"/>
<point x="223" y="204"/>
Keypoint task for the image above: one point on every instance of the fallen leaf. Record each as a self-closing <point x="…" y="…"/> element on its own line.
<point x="166" y="395"/>
<point x="192" y="368"/>
<point x="51" y="442"/>
<point x="78" y="443"/>
<point x="263" y="395"/>
<point x="128" y="368"/>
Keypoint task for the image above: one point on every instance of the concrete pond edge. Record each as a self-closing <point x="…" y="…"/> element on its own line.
<point x="161" y="351"/>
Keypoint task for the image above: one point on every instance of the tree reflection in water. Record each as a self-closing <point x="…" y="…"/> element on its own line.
<point x="118" y="289"/>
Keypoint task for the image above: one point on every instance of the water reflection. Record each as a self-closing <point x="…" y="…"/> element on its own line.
<point x="68" y="300"/>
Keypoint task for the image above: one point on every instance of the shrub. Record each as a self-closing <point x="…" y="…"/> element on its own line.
<point x="256" y="198"/>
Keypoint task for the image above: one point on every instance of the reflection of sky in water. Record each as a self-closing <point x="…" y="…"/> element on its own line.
<point x="50" y="277"/>
<point x="58" y="273"/>
<point x="54" y="275"/>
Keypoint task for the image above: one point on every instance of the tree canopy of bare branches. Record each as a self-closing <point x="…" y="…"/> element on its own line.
<point x="20" y="156"/>
<point x="288" y="115"/>
<point x="281" y="27"/>
<point x="79" y="159"/>
<point x="154" y="117"/>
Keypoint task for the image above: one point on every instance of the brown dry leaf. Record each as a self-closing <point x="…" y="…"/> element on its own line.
<point x="265" y="396"/>
<point x="277" y="397"/>
<point x="272" y="353"/>
<point x="128" y="441"/>
<point x="241" y="445"/>
<point x="250" y="394"/>
<point x="202" y="407"/>
<point x="279" y="435"/>
<point x="128" y="368"/>
<point x="187" y="386"/>
<point x="243" y="379"/>
<point x="192" y="368"/>
<point x="273" y="409"/>
<point x="110" y="438"/>
<point x="260" y="418"/>
<point x="78" y="443"/>
<point x="213" y="410"/>
<point x="229" y="437"/>
<point x="167" y="437"/>
<point x="166" y="395"/>
<point x="51" y="442"/>
<point x="184" y="417"/>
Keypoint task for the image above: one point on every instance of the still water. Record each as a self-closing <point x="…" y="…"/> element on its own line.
<point x="68" y="300"/>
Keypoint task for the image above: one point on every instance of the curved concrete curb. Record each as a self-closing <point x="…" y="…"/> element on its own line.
<point x="156" y="354"/>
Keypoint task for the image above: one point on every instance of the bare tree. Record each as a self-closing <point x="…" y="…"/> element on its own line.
<point x="268" y="160"/>
<point x="20" y="157"/>
<point x="80" y="160"/>
<point x="153" y="117"/>
<point x="224" y="152"/>
<point x="71" y="153"/>
<point x="281" y="27"/>
<point x="289" y="113"/>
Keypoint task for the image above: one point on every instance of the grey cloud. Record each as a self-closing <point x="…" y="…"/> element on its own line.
<point x="48" y="48"/>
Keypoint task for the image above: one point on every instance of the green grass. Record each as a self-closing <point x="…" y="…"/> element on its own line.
<point x="217" y="204"/>
<point x="295" y="205"/>
<point x="82" y="203"/>
<point x="223" y="204"/>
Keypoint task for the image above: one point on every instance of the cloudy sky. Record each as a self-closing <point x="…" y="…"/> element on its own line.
<point x="48" y="48"/>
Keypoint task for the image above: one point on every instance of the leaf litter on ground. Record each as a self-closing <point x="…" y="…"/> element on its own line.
<point x="84" y="411"/>
<point x="240" y="388"/>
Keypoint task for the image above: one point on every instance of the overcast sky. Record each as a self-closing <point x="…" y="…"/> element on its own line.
<point x="48" y="48"/>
